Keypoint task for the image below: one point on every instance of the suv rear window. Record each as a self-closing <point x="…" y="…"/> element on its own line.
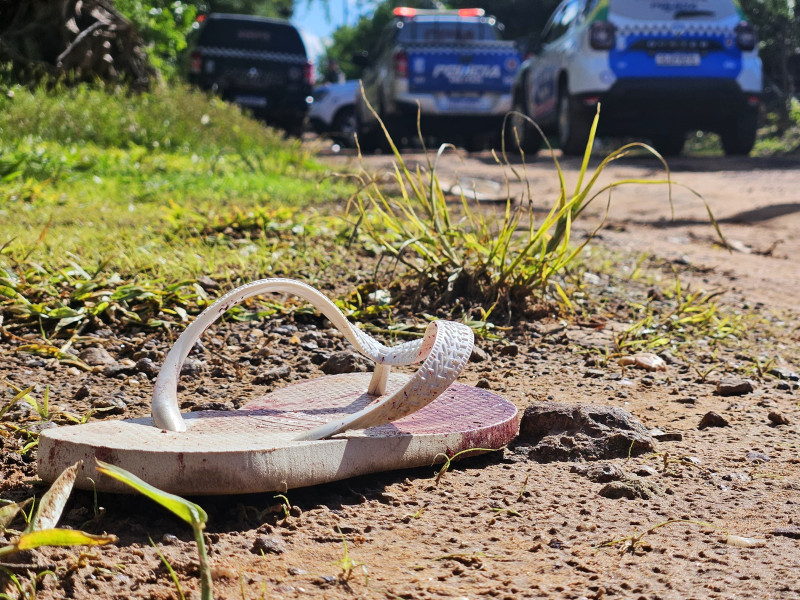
<point x="666" y="10"/>
<point x="447" y="29"/>
<point x="251" y="34"/>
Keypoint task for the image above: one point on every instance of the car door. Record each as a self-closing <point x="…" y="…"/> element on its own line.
<point x="548" y="61"/>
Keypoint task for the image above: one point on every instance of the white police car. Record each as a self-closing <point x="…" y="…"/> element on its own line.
<point x="659" y="68"/>
<point x="333" y="111"/>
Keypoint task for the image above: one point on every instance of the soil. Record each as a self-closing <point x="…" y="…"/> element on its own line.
<point x="509" y="524"/>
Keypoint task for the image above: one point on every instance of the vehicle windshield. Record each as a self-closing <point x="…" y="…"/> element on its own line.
<point x="666" y="10"/>
<point x="251" y="35"/>
<point x="448" y="29"/>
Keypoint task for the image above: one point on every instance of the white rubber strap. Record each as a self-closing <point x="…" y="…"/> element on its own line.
<point x="444" y="349"/>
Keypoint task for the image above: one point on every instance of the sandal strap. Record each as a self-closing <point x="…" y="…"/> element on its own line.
<point x="444" y="351"/>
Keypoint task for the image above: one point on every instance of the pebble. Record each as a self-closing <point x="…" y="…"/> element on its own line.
<point x="744" y="542"/>
<point x="777" y="418"/>
<point x="509" y="350"/>
<point x="630" y="490"/>
<point x="268" y="545"/>
<point x="344" y="362"/>
<point x="645" y="471"/>
<point x="168" y="538"/>
<point x="148" y="367"/>
<point x="645" y="360"/>
<point x="754" y="456"/>
<point x="782" y="373"/>
<point x="732" y="386"/>
<point x="712" y="419"/>
<point x="483" y="384"/>
<point x="662" y="436"/>
<point x="272" y="375"/>
<point x="478" y="355"/>
<point x="96" y="356"/>
<point x="790" y="532"/>
<point x="111" y="406"/>
<point x="191" y="367"/>
<point x="594" y="373"/>
<point x="599" y="473"/>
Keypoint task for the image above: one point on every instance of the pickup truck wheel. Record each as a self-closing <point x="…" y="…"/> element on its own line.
<point x="740" y="135"/>
<point x="574" y="125"/>
<point x="345" y="126"/>
<point x="520" y="134"/>
<point x="368" y="140"/>
<point x="669" y="144"/>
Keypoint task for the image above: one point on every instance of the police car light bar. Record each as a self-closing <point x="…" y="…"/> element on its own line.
<point x="407" y="11"/>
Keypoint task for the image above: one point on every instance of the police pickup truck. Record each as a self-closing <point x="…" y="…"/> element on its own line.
<point x="448" y="66"/>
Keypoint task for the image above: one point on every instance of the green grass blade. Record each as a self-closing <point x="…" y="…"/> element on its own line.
<point x="188" y="511"/>
<point x="53" y="501"/>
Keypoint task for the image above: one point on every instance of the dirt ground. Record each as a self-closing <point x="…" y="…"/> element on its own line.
<point x="500" y="525"/>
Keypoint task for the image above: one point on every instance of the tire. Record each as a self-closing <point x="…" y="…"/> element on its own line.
<point x="368" y="140"/>
<point x="345" y="126"/>
<point x="295" y="127"/>
<point x="740" y="135"/>
<point x="669" y="144"/>
<point x="574" y="125"/>
<point x="519" y="129"/>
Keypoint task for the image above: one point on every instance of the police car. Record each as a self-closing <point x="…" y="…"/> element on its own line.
<point x="659" y="69"/>
<point x="450" y="67"/>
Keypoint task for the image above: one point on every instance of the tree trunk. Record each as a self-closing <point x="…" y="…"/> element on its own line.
<point x="84" y="39"/>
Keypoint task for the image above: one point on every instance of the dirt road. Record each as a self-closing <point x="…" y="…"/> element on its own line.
<point x="756" y="202"/>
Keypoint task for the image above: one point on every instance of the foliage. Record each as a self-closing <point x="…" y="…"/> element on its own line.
<point x="113" y="204"/>
<point x="455" y="255"/>
<point x="163" y="25"/>
<point x="191" y="513"/>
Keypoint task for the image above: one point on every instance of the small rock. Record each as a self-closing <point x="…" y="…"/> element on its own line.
<point x="594" y="373"/>
<point x="732" y="386"/>
<point x="168" y="538"/>
<point x="327" y="579"/>
<point x="744" y="542"/>
<point x="777" y="418"/>
<point x="296" y="571"/>
<point x="630" y="490"/>
<point x="509" y="350"/>
<point x="83" y="392"/>
<point x="344" y="362"/>
<point x="645" y="360"/>
<point x="272" y="375"/>
<point x="662" y="436"/>
<point x="483" y="383"/>
<point x="148" y="367"/>
<point x="740" y="477"/>
<point x="96" y="356"/>
<point x="782" y="373"/>
<point x="118" y="370"/>
<point x="599" y="473"/>
<point x="191" y="367"/>
<point x="712" y="419"/>
<point x="645" y="471"/>
<point x="754" y="456"/>
<point x="687" y="400"/>
<point x="790" y="532"/>
<point x="478" y="355"/>
<point x="268" y="545"/>
<point x="111" y="406"/>
<point x="207" y="283"/>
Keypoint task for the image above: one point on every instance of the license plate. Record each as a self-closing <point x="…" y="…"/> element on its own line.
<point x="464" y="99"/>
<point x="678" y="59"/>
<point x="257" y="101"/>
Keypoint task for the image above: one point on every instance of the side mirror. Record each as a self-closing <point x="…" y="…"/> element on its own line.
<point x="360" y="59"/>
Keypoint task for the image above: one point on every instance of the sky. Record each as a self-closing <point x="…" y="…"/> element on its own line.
<point x="317" y="23"/>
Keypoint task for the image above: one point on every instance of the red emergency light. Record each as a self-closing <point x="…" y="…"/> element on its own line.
<point x="471" y="12"/>
<point x="405" y="11"/>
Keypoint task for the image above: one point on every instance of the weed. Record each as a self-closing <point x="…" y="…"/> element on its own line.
<point x="347" y="564"/>
<point x="456" y="253"/>
<point x="631" y="542"/>
<point x="27" y="590"/>
<point x="450" y="459"/>
<point x="189" y="512"/>
<point x="285" y="505"/>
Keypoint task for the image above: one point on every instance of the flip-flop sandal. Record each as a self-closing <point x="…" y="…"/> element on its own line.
<point x="307" y="433"/>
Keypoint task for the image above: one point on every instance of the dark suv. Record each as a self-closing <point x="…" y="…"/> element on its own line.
<point x="257" y="63"/>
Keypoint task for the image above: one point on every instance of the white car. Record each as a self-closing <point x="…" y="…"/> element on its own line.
<point x="658" y="69"/>
<point x="333" y="111"/>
